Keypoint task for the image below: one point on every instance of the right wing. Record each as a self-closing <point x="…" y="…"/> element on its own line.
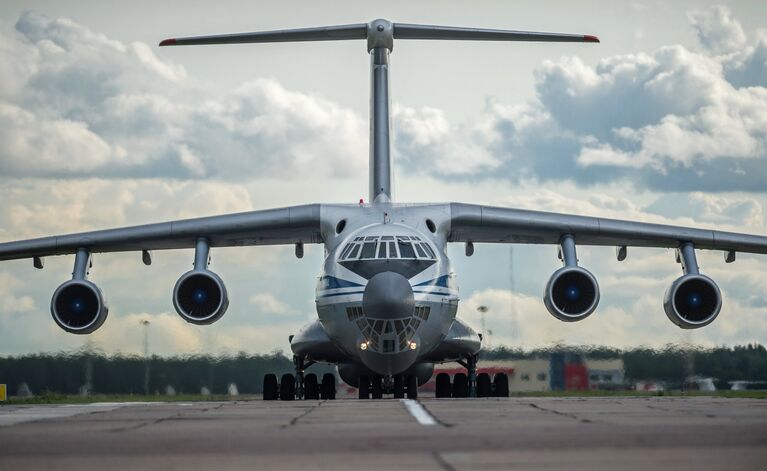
<point x="291" y="225"/>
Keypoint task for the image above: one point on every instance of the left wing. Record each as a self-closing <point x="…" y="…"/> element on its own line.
<point x="291" y="225"/>
<point x="476" y="223"/>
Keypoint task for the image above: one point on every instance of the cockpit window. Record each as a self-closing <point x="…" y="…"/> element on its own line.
<point x="368" y="250"/>
<point x="382" y="247"/>
<point x="405" y="249"/>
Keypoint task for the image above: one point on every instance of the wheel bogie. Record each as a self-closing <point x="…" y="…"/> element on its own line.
<point x="443" y="386"/>
<point x="287" y="387"/>
<point x="501" y="385"/>
<point x="328" y="387"/>
<point x="411" y="386"/>
<point x="271" y="388"/>
<point x="311" y="387"/>
<point x="484" y="385"/>
<point x="460" y="385"/>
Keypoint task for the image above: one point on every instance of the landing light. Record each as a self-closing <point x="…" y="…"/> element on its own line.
<point x="413" y="346"/>
<point x="364" y="346"/>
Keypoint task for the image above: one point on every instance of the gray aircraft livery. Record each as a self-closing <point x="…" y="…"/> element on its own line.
<point x="386" y="296"/>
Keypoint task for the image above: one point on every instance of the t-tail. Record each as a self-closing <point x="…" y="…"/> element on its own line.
<point x="380" y="36"/>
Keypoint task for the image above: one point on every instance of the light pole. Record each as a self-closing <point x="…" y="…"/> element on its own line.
<point x="482" y="310"/>
<point x="145" y="323"/>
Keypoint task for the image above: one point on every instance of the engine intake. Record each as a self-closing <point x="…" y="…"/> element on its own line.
<point x="692" y="301"/>
<point x="571" y="294"/>
<point x="79" y="307"/>
<point x="200" y="297"/>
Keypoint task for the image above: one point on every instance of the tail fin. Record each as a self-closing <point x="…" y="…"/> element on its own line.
<point x="380" y="36"/>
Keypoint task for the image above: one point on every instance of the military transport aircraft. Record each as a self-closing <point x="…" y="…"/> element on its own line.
<point x="386" y="296"/>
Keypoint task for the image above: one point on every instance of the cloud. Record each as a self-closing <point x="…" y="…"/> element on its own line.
<point x="77" y="103"/>
<point x="267" y="303"/>
<point x="717" y="30"/>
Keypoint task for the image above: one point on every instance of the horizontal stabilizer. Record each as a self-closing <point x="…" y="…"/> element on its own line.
<point x="406" y="31"/>
<point x="367" y="31"/>
<point x="327" y="33"/>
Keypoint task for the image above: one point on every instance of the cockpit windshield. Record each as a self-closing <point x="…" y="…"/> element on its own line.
<point x="382" y="247"/>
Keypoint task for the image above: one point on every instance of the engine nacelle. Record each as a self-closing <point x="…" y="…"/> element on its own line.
<point x="571" y="294"/>
<point x="79" y="307"/>
<point x="692" y="301"/>
<point x="200" y="297"/>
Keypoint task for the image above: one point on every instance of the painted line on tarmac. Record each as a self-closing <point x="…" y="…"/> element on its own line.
<point x="418" y="412"/>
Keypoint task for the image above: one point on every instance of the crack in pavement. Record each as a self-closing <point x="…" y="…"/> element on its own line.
<point x="295" y="419"/>
<point x="564" y="414"/>
<point x="442" y="462"/>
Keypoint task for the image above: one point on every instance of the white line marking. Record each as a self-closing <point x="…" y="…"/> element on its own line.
<point x="418" y="412"/>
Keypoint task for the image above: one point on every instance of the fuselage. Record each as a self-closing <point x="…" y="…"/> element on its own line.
<point x="387" y="295"/>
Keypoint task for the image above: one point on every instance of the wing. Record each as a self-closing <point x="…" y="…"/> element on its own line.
<point x="295" y="224"/>
<point x="475" y="223"/>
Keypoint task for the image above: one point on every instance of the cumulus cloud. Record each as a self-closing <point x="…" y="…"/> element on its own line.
<point x="676" y="119"/>
<point x="78" y="103"/>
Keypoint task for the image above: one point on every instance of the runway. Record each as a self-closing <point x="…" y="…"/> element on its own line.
<point x="451" y="434"/>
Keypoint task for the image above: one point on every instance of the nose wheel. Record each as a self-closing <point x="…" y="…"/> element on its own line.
<point x="400" y="386"/>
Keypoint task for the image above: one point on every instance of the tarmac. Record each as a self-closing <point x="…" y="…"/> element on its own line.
<point x="681" y="433"/>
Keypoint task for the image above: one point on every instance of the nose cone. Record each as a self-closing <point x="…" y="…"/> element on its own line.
<point x="388" y="295"/>
<point x="389" y="363"/>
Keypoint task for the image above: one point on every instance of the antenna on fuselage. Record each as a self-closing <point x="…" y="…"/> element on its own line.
<point x="380" y="35"/>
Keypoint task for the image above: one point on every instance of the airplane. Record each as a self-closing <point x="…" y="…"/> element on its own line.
<point x="387" y="296"/>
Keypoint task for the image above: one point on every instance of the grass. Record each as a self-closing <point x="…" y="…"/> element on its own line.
<point x="600" y="393"/>
<point x="54" y="398"/>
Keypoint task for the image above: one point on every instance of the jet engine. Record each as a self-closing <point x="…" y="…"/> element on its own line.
<point x="200" y="295"/>
<point x="692" y="301"/>
<point x="79" y="307"/>
<point x="572" y="294"/>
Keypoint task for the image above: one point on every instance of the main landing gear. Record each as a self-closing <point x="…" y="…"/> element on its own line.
<point x="399" y="385"/>
<point x="471" y="384"/>
<point x="298" y="385"/>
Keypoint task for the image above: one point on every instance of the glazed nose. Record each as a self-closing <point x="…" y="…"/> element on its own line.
<point x="388" y="295"/>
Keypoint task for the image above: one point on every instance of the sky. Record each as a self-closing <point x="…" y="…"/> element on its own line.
<point x="664" y="121"/>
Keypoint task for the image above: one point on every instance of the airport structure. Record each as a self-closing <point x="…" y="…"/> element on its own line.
<point x="387" y="295"/>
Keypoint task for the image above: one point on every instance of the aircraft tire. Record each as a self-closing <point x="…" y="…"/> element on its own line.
<point x="376" y="388"/>
<point x="328" y="387"/>
<point x="484" y="385"/>
<point x="412" y="387"/>
<point x="287" y="387"/>
<point x="442" y="387"/>
<point x="364" y="387"/>
<point x="501" y="383"/>
<point x="271" y="389"/>
<point x="460" y="385"/>
<point x="399" y="387"/>
<point x="311" y="387"/>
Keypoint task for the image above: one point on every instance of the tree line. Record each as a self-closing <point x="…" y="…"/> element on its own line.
<point x="122" y="374"/>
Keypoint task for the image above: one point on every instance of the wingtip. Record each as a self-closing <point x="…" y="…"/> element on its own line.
<point x="590" y="39"/>
<point x="168" y="42"/>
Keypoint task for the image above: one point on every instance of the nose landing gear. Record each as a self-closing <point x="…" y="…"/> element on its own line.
<point x="397" y="385"/>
